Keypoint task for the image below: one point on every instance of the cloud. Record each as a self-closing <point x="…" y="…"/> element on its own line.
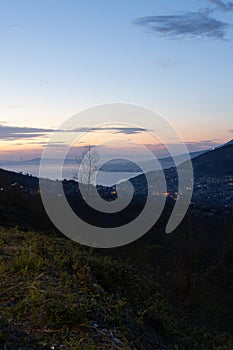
<point x="11" y="133"/>
<point x="122" y="130"/>
<point x="204" y="143"/>
<point x="161" y="150"/>
<point x="14" y="25"/>
<point x="112" y="129"/>
<point x="222" y="6"/>
<point x="168" y="63"/>
<point x="188" y="24"/>
<point x="230" y="131"/>
<point x="17" y="136"/>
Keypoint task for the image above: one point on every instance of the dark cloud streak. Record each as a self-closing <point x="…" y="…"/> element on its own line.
<point x="11" y="133"/>
<point x="226" y="7"/>
<point x="188" y="24"/>
<point x="121" y="130"/>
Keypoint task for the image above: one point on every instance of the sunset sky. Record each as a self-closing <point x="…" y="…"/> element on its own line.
<point x="59" y="57"/>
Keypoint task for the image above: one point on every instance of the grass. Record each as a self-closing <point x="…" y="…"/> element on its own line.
<point x="57" y="294"/>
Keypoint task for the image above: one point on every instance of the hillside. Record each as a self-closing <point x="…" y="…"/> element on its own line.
<point x="8" y="178"/>
<point x="176" y="292"/>
<point x="215" y="163"/>
<point x="56" y="294"/>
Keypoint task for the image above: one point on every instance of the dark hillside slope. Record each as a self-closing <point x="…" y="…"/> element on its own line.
<point x="215" y="163"/>
<point x="57" y="294"/>
<point x="9" y="178"/>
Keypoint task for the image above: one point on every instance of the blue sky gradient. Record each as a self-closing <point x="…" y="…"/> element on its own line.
<point x="61" y="56"/>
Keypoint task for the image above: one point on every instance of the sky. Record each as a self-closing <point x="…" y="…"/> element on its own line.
<point x="59" y="57"/>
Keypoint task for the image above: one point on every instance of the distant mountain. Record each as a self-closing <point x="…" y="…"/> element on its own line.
<point x="121" y="165"/>
<point x="18" y="162"/>
<point x="114" y="165"/>
<point x="34" y="160"/>
<point x="168" y="162"/>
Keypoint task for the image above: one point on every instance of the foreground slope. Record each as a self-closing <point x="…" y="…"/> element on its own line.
<point x="56" y="294"/>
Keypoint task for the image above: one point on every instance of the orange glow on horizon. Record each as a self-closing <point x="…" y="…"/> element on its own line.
<point x="29" y="148"/>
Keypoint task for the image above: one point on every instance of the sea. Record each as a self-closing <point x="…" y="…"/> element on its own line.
<point x="70" y="169"/>
<point x="69" y="172"/>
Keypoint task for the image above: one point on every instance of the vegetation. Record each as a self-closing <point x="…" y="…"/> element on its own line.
<point x="57" y="294"/>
